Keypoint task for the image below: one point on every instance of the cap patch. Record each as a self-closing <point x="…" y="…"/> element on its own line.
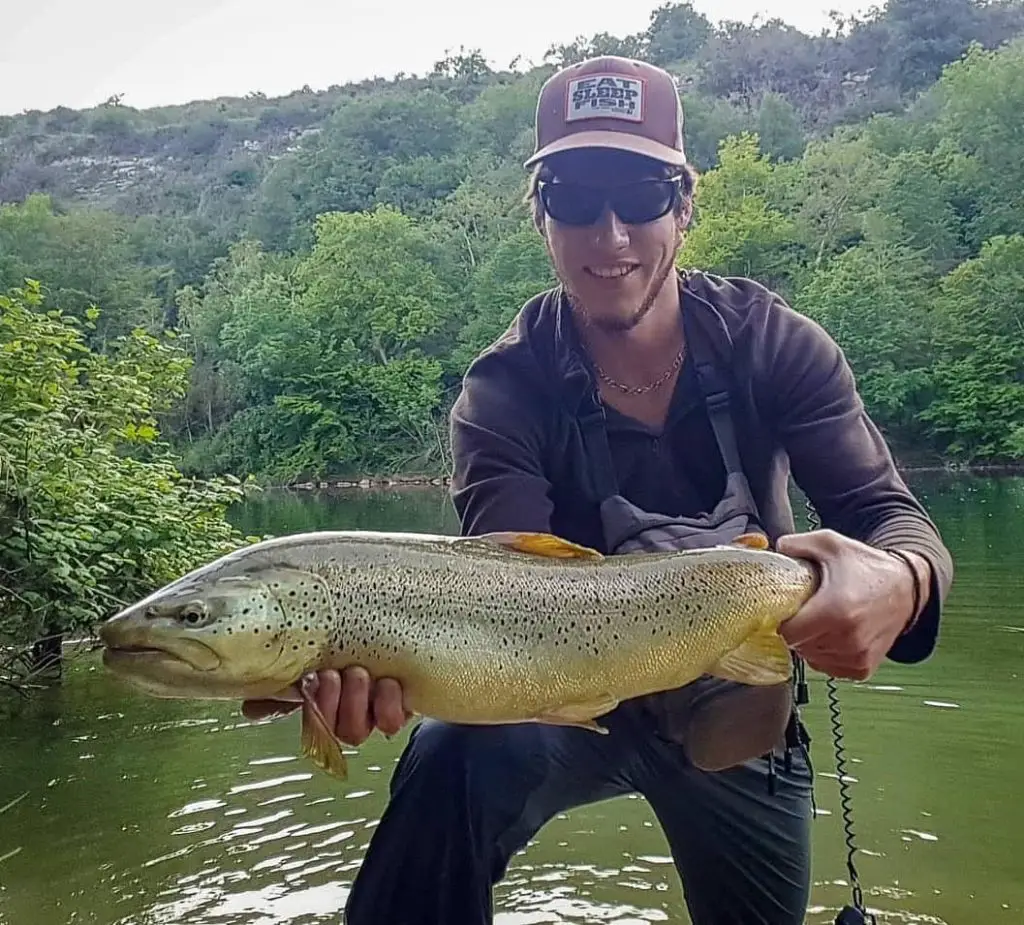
<point x="605" y="96"/>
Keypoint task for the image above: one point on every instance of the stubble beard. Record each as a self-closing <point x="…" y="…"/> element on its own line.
<point x="618" y="325"/>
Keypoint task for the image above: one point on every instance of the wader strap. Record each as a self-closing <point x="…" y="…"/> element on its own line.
<point x="598" y="452"/>
<point x="716" y="398"/>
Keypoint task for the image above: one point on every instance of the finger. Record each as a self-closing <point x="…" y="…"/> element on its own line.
<point x="815" y="545"/>
<point x="839" y="664"/>
<point x="328" y="695"/>
<point x="809" y="625"/>
<point x="388" y="710"/>
<point x="354" y="721"/>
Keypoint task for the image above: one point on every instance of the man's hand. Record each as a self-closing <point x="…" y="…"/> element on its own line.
<point x="865" y="601"/>
<point x="351" y="702"/>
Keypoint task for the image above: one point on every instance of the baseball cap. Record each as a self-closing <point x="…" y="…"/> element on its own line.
<point x="610" y="102"/>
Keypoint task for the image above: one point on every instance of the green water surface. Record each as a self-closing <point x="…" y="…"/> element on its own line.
<point x="146" y="812"/>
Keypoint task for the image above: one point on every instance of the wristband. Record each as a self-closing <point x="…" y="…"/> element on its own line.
<point x="916" y="609"/>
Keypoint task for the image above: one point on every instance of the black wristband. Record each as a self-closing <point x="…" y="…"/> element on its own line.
<point x="915" y="612"/>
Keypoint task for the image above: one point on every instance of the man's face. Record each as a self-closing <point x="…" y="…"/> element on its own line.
<point x="611" y="269"/>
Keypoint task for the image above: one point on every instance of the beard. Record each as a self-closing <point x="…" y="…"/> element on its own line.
<point x="625" y="323"/>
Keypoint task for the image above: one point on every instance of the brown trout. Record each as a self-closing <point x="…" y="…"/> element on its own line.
<point x="503" y="628"/>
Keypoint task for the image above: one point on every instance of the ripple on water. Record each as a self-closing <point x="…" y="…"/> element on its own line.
<point x="266" y="784"/>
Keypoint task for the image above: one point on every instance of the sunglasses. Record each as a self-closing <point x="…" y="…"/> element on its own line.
<point x="634" y="203"/>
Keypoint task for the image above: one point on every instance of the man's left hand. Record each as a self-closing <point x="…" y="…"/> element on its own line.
<point x="864" y="602"/>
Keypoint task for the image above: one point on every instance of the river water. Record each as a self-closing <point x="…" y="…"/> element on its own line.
<point x="148" y="812"/>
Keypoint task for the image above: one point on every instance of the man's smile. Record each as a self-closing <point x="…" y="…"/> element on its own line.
<point x="614" y="271"/>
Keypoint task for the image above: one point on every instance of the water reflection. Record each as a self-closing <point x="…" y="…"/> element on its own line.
<point x="146" y="812"/>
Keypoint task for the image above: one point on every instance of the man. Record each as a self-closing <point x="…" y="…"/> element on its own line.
<point x="637" y="407"/>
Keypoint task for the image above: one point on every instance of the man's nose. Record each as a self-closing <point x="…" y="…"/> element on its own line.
<point x="611" y="231"/>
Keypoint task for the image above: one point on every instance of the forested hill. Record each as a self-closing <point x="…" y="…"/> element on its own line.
<point x="205" y="173"/>
<point x="330" y="261"/>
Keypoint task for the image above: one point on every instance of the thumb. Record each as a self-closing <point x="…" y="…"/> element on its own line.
<point x="817" y="545"/>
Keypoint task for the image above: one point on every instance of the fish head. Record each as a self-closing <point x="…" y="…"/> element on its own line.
<point x="222" y="637"/>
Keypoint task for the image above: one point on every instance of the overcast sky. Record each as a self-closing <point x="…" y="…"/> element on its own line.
<point x="78" y="53"/>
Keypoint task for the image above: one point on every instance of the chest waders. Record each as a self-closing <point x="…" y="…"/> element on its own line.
<point x="749" y="722"/>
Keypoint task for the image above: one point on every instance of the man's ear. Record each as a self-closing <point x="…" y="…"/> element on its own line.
<point x="684" y="215"/>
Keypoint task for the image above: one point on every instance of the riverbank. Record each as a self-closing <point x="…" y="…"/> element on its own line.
<point x="377" y="482"/>
<point x="386" y="481"/>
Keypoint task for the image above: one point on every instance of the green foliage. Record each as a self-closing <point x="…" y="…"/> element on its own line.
<point x="334" y="365"/>
<point x="85" y="258"/>
<point x="874" y="300"/>
<point x="331" y="262"/>
<point x="93" y="510"/>
<point x="978" y="355"/>
<point x="513" y="273"/>
<point x="739" y="229"/>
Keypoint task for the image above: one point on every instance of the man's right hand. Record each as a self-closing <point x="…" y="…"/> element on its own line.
<point x="351" y="702"/>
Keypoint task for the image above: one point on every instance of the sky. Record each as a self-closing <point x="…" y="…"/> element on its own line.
<point x="156" y="52"/>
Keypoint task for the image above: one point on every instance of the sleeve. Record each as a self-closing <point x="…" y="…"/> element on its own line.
<point x="497" y="437"/>
<point x="840" y="459"/>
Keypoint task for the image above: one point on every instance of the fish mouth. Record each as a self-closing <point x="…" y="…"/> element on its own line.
<point x="187" y="653"/>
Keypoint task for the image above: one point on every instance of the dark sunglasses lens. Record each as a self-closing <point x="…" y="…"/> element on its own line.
<point x="572" y="204"/>
<point x="635" y="204"/>
<point x="644" y="202"/>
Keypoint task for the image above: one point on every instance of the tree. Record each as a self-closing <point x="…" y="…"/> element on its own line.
<point x="85" y="257"/>
<point x="518" y="269"/>
<point x="978" y="355"/>
<point x="874" y="300"/>
<point x="94" y="512"/>
<point x="677" y="32"/>
<point x="738" y="228"/>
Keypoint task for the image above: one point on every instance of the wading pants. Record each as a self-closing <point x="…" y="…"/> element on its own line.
<point x="464" y="799"/>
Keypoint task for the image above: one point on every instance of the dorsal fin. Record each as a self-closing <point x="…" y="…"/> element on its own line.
<point x="540" y="544"/>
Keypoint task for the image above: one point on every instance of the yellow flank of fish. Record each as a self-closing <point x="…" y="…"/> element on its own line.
<point x="511" y="627"/>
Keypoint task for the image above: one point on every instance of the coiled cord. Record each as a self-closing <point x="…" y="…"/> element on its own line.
<point x="846" y="807"/>
<point x="845" y="798"/>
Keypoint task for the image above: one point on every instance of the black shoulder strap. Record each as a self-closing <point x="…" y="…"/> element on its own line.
<point x="597" y="452"/>
<point x="715" y="390"/>
<point x="713" y="379"/>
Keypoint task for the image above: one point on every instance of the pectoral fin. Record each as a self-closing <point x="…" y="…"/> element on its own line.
<point x="763" y="659"/>
<point x="319" y="743"/>
<point x="540" y="544"/>
<point x="580" y="715"/>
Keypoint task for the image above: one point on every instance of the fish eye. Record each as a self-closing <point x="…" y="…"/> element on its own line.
<point x="192" y="614"/>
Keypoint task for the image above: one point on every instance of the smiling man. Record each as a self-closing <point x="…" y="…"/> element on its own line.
<point x="638" y="407"/>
